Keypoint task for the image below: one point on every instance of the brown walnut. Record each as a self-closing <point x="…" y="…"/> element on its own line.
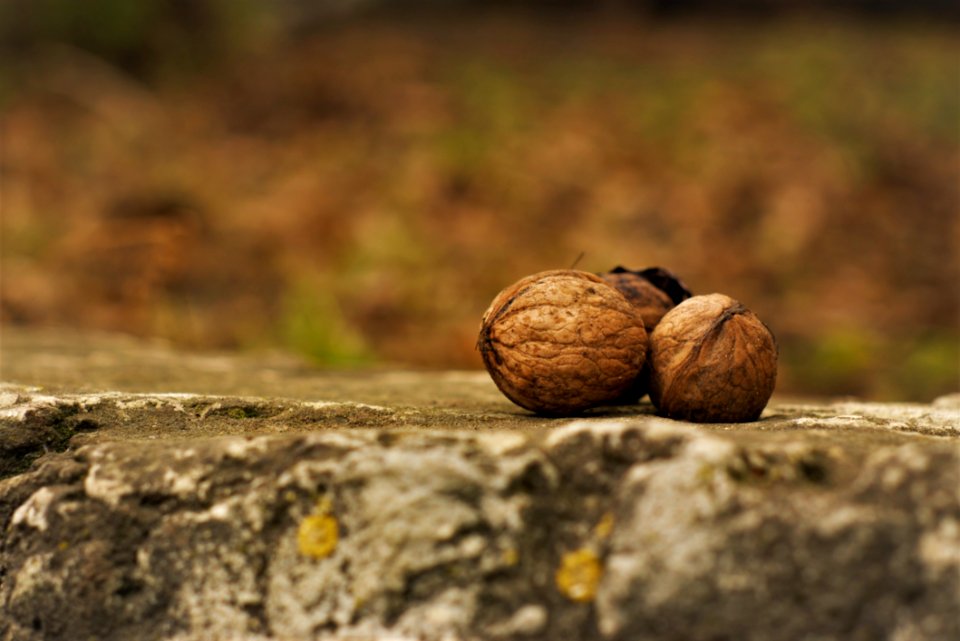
<point x="562" y="341"/>
<point x="712" y="361"/>
<point x="654" y="291"/>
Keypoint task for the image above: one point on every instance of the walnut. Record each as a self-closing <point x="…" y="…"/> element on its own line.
<point x="562" y="341"/>
<point x="654" y="291"/>
<point x="712" y="361"/>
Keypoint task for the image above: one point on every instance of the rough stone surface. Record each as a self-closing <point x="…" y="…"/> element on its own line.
<point x="404" y="505"/>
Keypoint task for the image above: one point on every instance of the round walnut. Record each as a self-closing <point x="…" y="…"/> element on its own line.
<point x="712" y="361"/>
<point x="563" y="341"/>
<point x="654" y="291"/>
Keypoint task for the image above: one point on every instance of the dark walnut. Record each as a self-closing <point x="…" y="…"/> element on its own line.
<point x="712" y="361"/>
<point x="654" y="291"/>
<point x="563" y="341"/>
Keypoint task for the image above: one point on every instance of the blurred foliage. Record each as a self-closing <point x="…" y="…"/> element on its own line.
<point x="144" y="37"/>
<point x="853" y="362"/>
<point x="928" y="362"/>
<point x="311" y="323"/>
<point x="359" y="192"/>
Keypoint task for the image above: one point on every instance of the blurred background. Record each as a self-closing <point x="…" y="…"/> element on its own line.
<point x="354" y="180"/>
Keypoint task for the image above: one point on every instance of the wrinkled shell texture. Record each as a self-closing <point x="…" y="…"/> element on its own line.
<point x="712" y="360"/>
<point x="562" y="341"/>
<point x="652" y="301"/>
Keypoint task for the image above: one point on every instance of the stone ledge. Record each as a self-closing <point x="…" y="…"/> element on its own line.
<point x="431" y="508"/>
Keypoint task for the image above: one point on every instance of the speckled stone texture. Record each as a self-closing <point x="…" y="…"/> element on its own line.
<point x="400" y="505"/>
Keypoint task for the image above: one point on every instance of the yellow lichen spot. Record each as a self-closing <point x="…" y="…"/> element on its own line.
<point x="511" y="557"/>
<point x="63" y="545"/>
<point x="604" y="526"/>
<point x="705" y="473"/>
<point x="317" y="536"/>
<point x="578" y="575"/>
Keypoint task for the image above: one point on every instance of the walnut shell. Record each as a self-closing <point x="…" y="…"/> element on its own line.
<point x="654" y="291"/>
<point x="562" y="341"/>
<point x="712" y="361"/>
